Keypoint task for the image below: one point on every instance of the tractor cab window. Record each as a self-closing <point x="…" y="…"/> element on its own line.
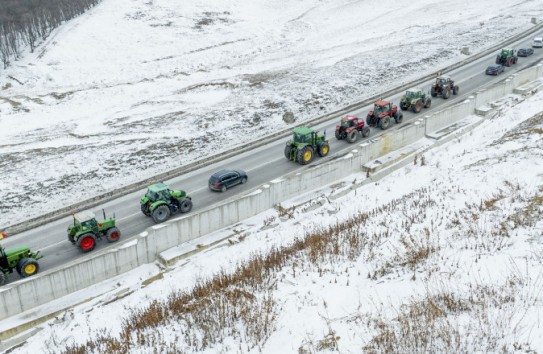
<point x="304" y="139"/>
<point x="410" y="94"/>
<point x="442" y="81"/>
<point x="90" y="224"/>
<point x="152" y="195"/>
<point x="345" y="123"/>
<point x="378" y="110"/>
<point x="164" y="195"/>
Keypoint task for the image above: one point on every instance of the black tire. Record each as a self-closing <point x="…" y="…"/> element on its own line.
<point x="428" y="103"/>
<point x="86" y="242"/>
<point x="243" y="180"/>
<point x="71" y="239"/>
<point x="384" y="123"/>
<point x="2" y="278"/>
<point x="417" y="107"/>
<point x="370" y="120"/>
<point x="29" y="267"/>
<point x="305" y="155"/>
<point x="403" y="106"/>
<point x="433" y="92"/>
<point x="185" y="206"/>
<point x="18" y="266"/>
<point x="161" y="213"/>
<point x="398" y="117"/>
<point x="338" y="135"/>
<point x="498" y="61"/>
<point x="287" y="152"/>
<point x="223" y="188"/>
<point x="113" y="234"/>
<point x="352" y="136"/>
<point x="456" y="89"/>
<point x="145" y="209"/>
<point x="366" y="132"/>
<point x="446" y="93"/>
<point x="323" y="149"/>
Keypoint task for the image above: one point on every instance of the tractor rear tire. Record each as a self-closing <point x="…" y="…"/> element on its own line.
<point x="370" y="120"/>
<point x="384" y="123"/>
<point x="2" y="278"/>
<point x="287" y="152"/>
<point x="338" y="135"/>
<point x="398" y="117"/>
<point x="446" y="93"/>
<point x="352" y="136"/>
<point x="433" y="92"/>
<point x="417" y="107"/>
<point x="456" y="89"/>
<point x="305" y="155"/>
<point x="86" y="242"/>
<point x="161" y="213"/>
<point x="365" y="132"/>
<point x="324" y="148"/>
<point x="29" y="267"/>
<point x="428" y="103"/>
<point x="145" y="209"/>
<point x="113" y="234"/>
<point x="185" y="206"/>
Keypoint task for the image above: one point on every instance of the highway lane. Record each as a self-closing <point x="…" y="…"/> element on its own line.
<point x="262" y="164"/>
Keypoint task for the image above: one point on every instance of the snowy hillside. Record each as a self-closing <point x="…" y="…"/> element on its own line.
<point x="444" y="255"/>
<point x="133" y="87"/>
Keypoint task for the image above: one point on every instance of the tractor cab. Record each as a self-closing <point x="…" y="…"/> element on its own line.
<point x="158" y="191"/>
<point x="443" y="80"/>
<point x="85" y="220"/>
<point x="349" y="121"/>
<point x="380" y="107"/>
<point x="413" y="93"/>
<point x="304" y="136"/>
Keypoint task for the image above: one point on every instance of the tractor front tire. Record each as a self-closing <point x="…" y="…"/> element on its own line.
<point x="113" y="234"/>
<point x="86" y="242"/>
<point x="28" y="267"/>
<point x="287" y="152"/>
<point x="145" y="209"/>
<point x="428" y="103"/>
<point x="185" y="206"/>
<point x="338" y="135"/>
<point x="305" y="155"/>
<point x="161" y="213"/>
<point x="2" y="278"/>
<point x="398" y="117"/>
<point x="324" y="148"/>
<point x="456" y="89"/>
<point x="370" y="120"/>
<point x="446" y="93"/>
<point x="417" y="107"/>
<point x="384" y="123"/>
<point x="433" y="92"/>
<point x="365" y="132"/>
<point x="403" y="106"/>
<point x="352" y="136"/>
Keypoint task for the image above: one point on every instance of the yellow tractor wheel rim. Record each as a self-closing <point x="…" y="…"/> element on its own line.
<point x="30" y="269"/>
<point x="325" y="150"/>
<point x="307" y="155"/>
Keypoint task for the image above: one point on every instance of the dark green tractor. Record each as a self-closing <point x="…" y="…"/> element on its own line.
<point x="305" y="142"/>
<point x="507" y="57"/>
<point x="160" y="202"/>
<point x="86" y="230"/>
<point x="415" y="99"/>
<point x="20" y="259"/>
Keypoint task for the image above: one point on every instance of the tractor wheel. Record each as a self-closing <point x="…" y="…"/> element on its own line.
<point x="403" y="106"/>
<point x="71" y="239"/>
<point x="398" y="117"/>
<point x="305" y="155"/>
<point x="185" y="206"/>
<point x="338" y="135"/>
<point x="324" y="148"/>
<point x="509" y="62"/>
<point x="113" y="234"/>
<point x="86" y="242"/>
<point x="2" y="277"/>
<point x="498" y="61"/>
<point x="456" y="89"/>
<point x="433" y="92"/>
<point x="384" y="123"/>
<point x="446" y="93"/>
<point x="352" y="136"/>
<point x="417" y="107"/>
<point x="145" y="209"/>
<point x="365" y="132"/>
<point x="428" y="103"/>
<point x="161" y="213"/>
<point x="29" y="267"/>
<point x="370" y="120"/>
<point x="287" y="152"/>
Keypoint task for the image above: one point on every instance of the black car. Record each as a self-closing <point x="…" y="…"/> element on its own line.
<point x="494" y="69"/>
<point x="222" y="180"/>
<point x="525" y="52"/>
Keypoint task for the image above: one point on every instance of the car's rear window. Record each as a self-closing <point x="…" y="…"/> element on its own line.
<point x="213" y="179"/>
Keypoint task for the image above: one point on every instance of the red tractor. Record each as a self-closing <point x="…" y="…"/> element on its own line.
<point x="350" y="128"/>
<point x="381" y="114"/>
<point x="443" y="86"/>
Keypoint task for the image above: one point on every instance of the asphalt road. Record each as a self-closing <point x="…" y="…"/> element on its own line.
<point x="262" y="165"/>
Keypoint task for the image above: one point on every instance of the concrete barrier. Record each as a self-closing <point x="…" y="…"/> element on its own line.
<point x="147" y="246"/>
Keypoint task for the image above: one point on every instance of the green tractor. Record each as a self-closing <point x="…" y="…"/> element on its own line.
<point x="86" y="230"/>
<point x="160" y="202"/>
<point x="21" y="259"/>
<point x="303" y="145"/>
<point x="507" y="57"/>
<point x="415" y="99"/>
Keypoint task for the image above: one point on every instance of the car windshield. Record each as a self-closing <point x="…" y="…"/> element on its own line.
<point x="304" y="139"/>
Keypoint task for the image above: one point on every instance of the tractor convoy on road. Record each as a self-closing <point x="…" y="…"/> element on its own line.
<point x="160" y="202"/>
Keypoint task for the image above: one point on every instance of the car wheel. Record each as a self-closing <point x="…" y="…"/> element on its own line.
<point x="243" y="180"/>
<point x="223" y="188"/>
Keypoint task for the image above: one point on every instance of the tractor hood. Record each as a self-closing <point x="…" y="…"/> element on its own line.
<point x="17" y="250"/>
<point x="144" y="200"/>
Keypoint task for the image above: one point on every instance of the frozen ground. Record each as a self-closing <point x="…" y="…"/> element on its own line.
<point x="445" y="255"/>
<point x="134" y="88"/>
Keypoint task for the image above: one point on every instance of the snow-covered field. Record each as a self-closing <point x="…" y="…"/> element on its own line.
<point x="134" y="88"/>
<point x="445" y="255"/>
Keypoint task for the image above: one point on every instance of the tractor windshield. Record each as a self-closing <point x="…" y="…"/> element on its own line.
<point x="345" y="123"/>
<point x="153" y="196"/>
<point x="89" y="224"/>
<point x="410" y="94"/>
<point x="378" y="110"/>
<point x="442" y="81"/>
<point x="303" y="139"/>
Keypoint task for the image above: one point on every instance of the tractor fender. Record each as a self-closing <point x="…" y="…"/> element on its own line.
<point x="348" y="130"/>
<point x="156" y="204"/>
<point x="144" y="200"/>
